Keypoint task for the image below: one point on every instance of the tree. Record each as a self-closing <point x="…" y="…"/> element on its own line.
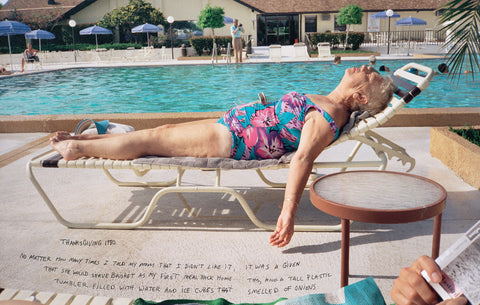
<point x="211" y="17"/>
<point x="461" y="20"/>
<point x="350" y="14"/>
<point x="136" y="12"/>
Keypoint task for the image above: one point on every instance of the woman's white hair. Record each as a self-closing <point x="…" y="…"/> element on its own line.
<point x="378" y="97"/>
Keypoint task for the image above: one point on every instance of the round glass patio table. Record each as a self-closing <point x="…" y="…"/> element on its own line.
<point x="382" y="197"/>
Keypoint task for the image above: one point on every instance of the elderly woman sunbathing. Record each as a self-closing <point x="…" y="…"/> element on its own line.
<point x="306" y="124"/>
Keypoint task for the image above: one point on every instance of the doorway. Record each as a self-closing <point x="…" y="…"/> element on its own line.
<point x="277" y="29"/>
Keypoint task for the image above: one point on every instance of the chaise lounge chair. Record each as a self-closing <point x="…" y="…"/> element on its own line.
<point x="409" y="86"/>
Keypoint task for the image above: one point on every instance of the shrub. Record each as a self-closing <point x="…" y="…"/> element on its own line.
<point x="355" y="39"/>
<point x="470" y="134"/>
<point x="205" y="44"/>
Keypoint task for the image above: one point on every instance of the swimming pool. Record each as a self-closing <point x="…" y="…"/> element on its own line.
<point x="196" y="88"/>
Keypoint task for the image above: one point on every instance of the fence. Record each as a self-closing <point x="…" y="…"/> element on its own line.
<point x="421" y="36"/>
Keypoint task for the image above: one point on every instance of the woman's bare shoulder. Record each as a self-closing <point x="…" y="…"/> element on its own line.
<point x="336" y="111"/>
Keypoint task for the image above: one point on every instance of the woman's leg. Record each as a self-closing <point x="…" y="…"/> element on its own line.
<point x="196" y="140"/>
<point x="65" y="135"/>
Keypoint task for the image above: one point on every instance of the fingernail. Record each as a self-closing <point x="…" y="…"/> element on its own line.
<point x="436" y="277"/>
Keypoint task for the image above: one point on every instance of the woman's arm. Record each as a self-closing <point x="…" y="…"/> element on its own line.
<point x="316" y="135"/>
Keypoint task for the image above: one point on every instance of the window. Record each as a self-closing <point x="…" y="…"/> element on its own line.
<point x="339" y="28"/>
<point x="311" y="24"/>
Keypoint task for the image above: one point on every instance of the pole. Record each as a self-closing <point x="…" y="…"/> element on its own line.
<point x="388" y="48"/>
<point x="74" y="54"/>
<point x="10" y="51"/>
<point x="171" y="37"/>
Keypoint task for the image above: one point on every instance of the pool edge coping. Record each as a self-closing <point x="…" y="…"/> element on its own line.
<point x="410" y="117"/>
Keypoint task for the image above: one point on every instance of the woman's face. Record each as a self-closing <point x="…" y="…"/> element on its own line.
<point x="363" y="77"/>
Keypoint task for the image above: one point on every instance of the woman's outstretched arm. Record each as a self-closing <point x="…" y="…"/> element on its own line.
<point x="316" y="135"/>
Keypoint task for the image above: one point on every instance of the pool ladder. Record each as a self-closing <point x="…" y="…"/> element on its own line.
<point x="215" y="55"/>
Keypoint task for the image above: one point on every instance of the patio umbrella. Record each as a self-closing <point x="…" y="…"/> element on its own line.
<point x="227" y="20"/>
<point x="146" y="28"/>
<point x="8" y="28"/>
<point x="384" y="15"/>
<point x="39" y="34"/>
<point x="410" y="21"/>
<point x="96" y="30"/>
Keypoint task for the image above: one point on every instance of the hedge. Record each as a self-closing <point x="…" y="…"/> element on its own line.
<point x="355" y="39"/>
<point x="205" y="44"/>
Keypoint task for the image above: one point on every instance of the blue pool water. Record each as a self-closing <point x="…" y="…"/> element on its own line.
<point x="197" y="88"/>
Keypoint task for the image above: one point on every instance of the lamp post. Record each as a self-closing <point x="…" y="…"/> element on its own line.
<point x="72" y="23"/>
<point x="170" y="20"/>
<point x="389" y="14"/>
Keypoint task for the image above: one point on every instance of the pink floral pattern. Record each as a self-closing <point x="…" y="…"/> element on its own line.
<point x="268" y="131"/>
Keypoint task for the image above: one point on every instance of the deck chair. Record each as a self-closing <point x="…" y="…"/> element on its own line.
<point x="409" y="86"/>
<point x="61" y="298"/>
<point x="32" y="62"/>
<point x="275" y="52"/>
<point x="323" y="49"/>
<point x="300" y="51"/>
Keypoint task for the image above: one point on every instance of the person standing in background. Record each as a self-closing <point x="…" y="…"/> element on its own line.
<point x="237" y="30"/>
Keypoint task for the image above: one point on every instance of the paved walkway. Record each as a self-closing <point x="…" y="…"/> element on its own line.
<point x="110" y="58"/>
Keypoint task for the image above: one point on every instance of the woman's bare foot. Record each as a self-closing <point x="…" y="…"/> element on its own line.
<point x="63" y="135"/>
<point x="67" y="148"/>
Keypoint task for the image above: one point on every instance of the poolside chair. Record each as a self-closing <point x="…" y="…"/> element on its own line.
<point x="33" y="63"/>
<point x="275" y="52"/>
<point x="61" y="298"/>
<point x="323" y="49"/>
<point x="300" y="51"/>
<point x="165" y="54"/>
<point x="409" y="86"/>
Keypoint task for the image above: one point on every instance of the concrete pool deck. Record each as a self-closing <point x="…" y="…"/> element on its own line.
<point x="37" y="251"/>
<point x="178" y="255"/>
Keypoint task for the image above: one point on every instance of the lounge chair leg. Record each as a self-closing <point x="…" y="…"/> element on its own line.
<point x="138" y="184"/>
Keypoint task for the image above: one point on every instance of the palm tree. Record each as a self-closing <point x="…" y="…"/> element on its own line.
<point x="460" y="20"/>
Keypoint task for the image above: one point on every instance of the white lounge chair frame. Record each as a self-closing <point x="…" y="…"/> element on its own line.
<point x="300" y="51"/>
<point x="275" y="52"/>
<point x="361" y="132"/>
<point x="53" y="298"/>
<point x="323" y="49"/>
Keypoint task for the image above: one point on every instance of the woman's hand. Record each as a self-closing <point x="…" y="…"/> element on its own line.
<point x="284" y="230"/>
<point x="411" y="288"/>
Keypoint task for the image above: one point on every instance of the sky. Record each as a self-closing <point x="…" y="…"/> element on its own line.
<point x="3" y="1"/>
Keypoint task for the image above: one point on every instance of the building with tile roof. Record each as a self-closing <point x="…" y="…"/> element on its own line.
<point x="267" y="21"/>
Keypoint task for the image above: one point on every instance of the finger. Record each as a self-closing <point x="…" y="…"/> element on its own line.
<point x="421" y="289"/>
<point x="428" y="264"/>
